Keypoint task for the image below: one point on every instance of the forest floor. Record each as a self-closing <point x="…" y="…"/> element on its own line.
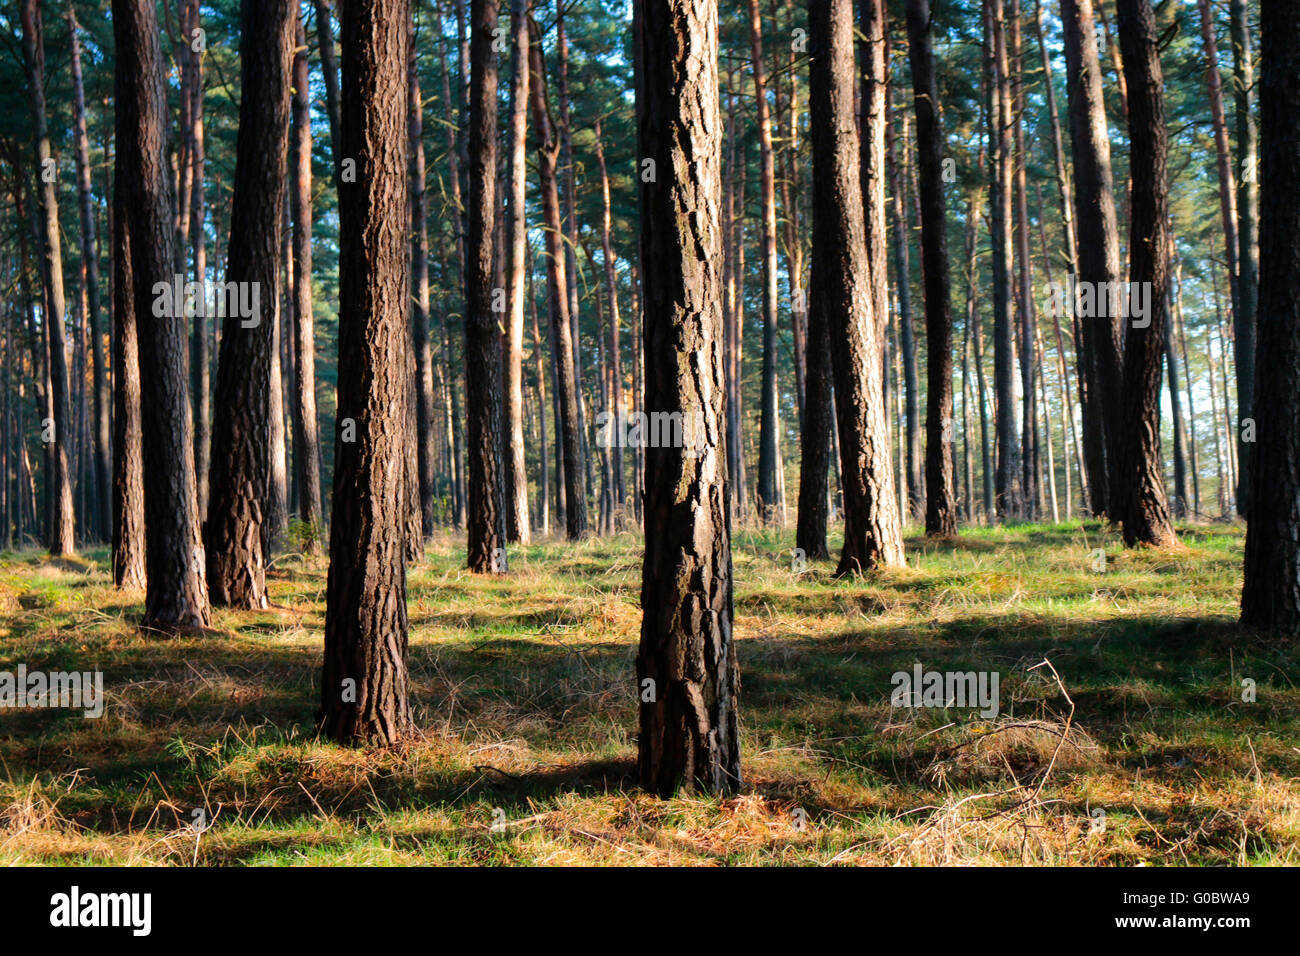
<point x="524" y="694"/>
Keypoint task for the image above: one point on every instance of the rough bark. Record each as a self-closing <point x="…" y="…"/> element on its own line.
<point x="941" y="497"/>
<point x="1270" y="597"/>
<point x="239" y="483"/>
<point x="1144" y="507"/>
<point x="1100" y="337"/>
<point x="177" y="595"/>
<point x="689" y="734"/>
<point x="365" y="679"/>
<point x="128" y="464"/>
<point x="485" y="518"/>
<point x="841" y="286"/>
<point x="815" y="439"/>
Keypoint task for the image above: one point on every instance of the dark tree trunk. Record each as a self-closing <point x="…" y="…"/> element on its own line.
<point x="815" y="441"/>
<point x="239" y="485"/>
<point x="128" y="465"/>
<point x="941" y="497"/>
<point x="61" y="538"/>
<point x="364" y="683"/>
<point x="485" y="520"/>
<point x="1008" y="486"/>
<point x="1100" y="338"/>
<point x="306" y="433"/>
<point x="1270" y="598"/>
<point x="176" y="595"/>
<point x="841" y="288"/>
<point x="1144" y="507"/>
<point x="687" y="676"/>
<point x="1026" y="319"/>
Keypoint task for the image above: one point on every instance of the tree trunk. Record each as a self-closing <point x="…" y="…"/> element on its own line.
<point x="240" y="482"/>
<point x="687" y="676"/>
<point x="1247" y="303"/>
<point x="548" y="149"/>
<point x="517" y="230"/>
<point x="1180" y="502"/>
<point x="200" y="373"/>
<point x="914" y="456"/>
<point x="485" y="518"/>
<point x="1026" y="320"/>
<point x="306" y="435"/>
<point x="615" y="321"/>
<point x="1144" y="508"/>
<point x="543" y="457"/>
<point x="841" y="288"/>
<point x="456" y="215"/>
<point x="330" y="70"/>
<point x="1009" y="489"/>
<point x="61" y="538"/>
<point x="941" y="497"/>
<point x="1099" y="344"/>
<point x="424" y="443"/>
<point x="1180" y="333"/>
<point x="102" y="520"/>
<point x="1270" y="598"/>
<point x="874" y="68"/>
<point x="567" y="185"/>
<point x="176" y="597"/>
<point x="277" y="474"/>
<point x="128" y="465"/>
<point x="769" y="495"/>
<point x="364" y="682"/>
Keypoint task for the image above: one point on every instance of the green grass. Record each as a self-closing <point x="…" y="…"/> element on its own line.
<point x="524" y="694"/>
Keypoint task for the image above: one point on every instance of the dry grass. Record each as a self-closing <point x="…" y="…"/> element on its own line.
<point x="524" y="692"/>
